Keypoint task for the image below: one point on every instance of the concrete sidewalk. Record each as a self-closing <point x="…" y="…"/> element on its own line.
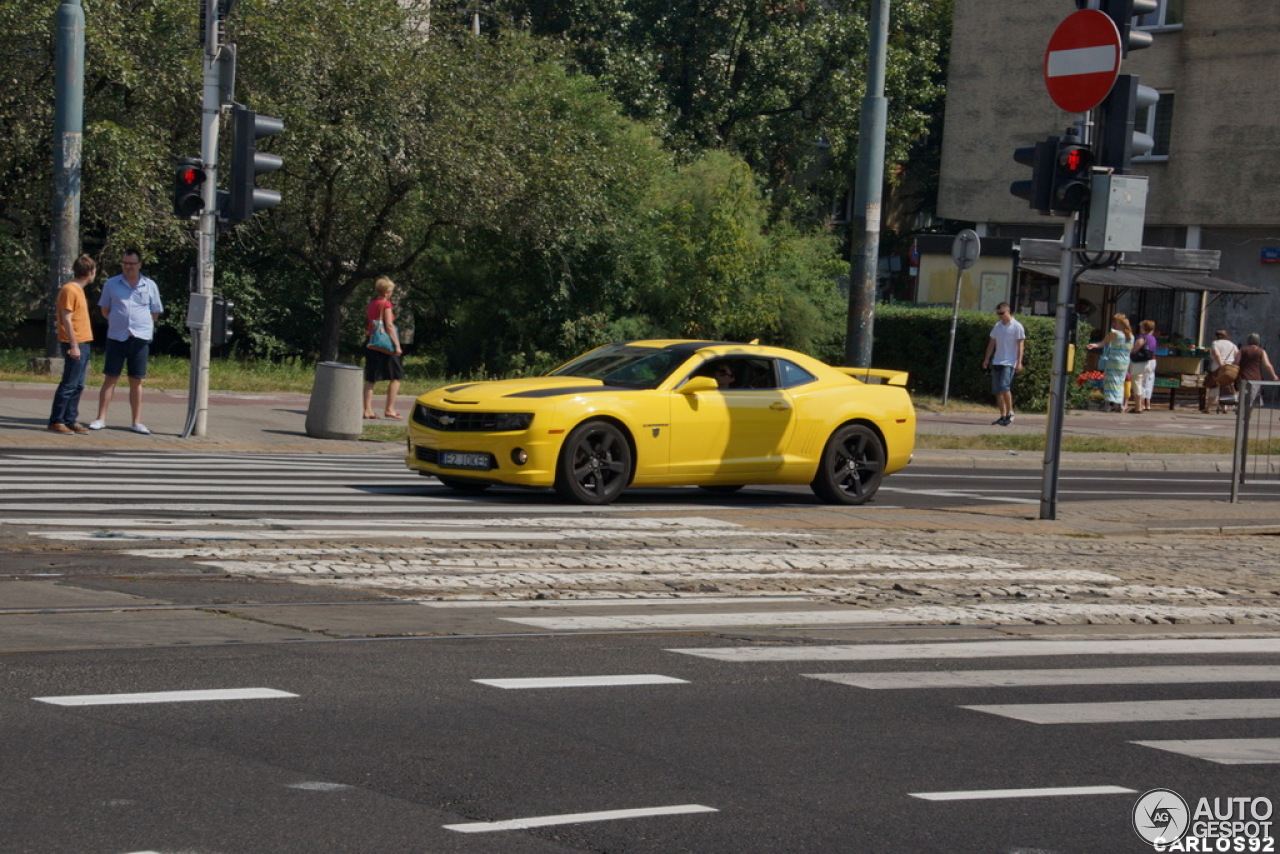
<point x="253" y="422"/>
<point x="261" y="423"/>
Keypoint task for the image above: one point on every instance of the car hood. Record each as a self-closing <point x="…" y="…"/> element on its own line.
<point x="508" y="393"/>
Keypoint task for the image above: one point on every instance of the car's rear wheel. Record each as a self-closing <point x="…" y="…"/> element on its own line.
<point x="851" y="467"/>
<point x="595" y="464"/>
<point x="462" y="485"/>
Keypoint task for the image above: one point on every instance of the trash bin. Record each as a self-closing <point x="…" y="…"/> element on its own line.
<point x="336" y="410"/>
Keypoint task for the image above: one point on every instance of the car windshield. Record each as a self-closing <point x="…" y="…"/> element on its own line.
<point x="632" y="367"/>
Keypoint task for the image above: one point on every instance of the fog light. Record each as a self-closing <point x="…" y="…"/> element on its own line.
<point x="519" y="457"/>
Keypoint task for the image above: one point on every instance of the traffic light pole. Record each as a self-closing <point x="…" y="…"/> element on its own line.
<point x="1058" y="384"/>
<point x="202" y="296"/>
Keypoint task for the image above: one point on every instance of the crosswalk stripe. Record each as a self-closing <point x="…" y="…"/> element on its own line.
<point x="844" y="616"/>
<point x="576" y="818"/>
<point x="1135" y="711"/>
<point x="986" y="649"/>
<point x="993" y="794"/>
<point x="581" y="681"/>
<point x="166" y="697"/>
<point x="1074" y="676"/>
<point x="1223" y="751"/>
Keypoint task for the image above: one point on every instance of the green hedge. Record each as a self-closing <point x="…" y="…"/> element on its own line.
<point x="915" y="340"/>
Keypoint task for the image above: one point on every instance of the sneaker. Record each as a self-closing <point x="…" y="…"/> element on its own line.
<point x="60" y="428"/>
<point x="999" y="422"/>
<point x="1008" y="419"/>
<point x="138" y="427"/>
<point x="97" y="424"/>
<point x="79" y="428"/>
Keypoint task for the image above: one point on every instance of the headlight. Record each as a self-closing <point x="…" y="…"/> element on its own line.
<point x="504" y="421"/>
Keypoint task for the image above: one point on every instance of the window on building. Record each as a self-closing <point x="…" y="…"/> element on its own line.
<point x="1157" y="122"/>
<point x="1167" y="17"/>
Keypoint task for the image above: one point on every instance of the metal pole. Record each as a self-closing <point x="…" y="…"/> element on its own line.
<point x="1058" y="385"/>
<point x="198" y="405"/>
<point x="68" y="135"/>
<point x="866" y="199"/>
<point x="951" y="342"/>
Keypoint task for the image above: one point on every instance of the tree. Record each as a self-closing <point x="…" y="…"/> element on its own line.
<point x="392" y="152"/>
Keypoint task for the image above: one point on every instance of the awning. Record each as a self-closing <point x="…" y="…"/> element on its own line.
<point x="1131" y="277"/>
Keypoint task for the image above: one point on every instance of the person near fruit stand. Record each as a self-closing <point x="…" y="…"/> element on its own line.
<point x="1116" y="347"/>
<point x="1142" y="366"/>
<point x="1221" y="380"/>
<point x="1253" y="360"/>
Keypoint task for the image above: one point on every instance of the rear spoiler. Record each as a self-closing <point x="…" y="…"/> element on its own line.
<point x="876" y="376"/>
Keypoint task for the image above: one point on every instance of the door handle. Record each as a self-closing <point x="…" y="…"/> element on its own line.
<point x="779" y="406"/>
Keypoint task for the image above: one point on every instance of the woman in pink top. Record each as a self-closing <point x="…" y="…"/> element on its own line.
<point x="379" y="366"/>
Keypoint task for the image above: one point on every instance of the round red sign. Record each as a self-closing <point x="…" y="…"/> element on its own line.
<point x="1082" y="60"/>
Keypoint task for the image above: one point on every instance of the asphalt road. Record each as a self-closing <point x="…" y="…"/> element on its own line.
<point x="395" y="746"/>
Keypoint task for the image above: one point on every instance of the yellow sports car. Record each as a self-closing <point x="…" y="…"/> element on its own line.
<point x="670" y="413"/>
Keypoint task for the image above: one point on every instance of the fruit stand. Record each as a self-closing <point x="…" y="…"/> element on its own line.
<point x="1180" y="373"/>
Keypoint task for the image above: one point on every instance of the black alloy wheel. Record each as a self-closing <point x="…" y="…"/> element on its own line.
<point x="595" y="464"/>
<point x="851" y="467"/>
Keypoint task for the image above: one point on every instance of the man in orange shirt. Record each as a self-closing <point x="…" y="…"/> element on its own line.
<point x="75" y="338"/>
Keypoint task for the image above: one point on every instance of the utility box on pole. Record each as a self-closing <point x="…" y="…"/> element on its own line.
<point x="1117" y="213"/>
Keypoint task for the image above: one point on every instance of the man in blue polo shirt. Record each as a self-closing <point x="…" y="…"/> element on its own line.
<point x="131" y="303"/>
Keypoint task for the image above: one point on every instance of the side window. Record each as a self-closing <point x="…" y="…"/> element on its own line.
<point x="792" y="374"/>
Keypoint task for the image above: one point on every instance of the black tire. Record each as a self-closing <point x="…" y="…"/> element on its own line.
<point x="462" y="485"/>
<point x="725" y="489"/>
<point x="851" y="467"/>
<point x="595" y="464"/>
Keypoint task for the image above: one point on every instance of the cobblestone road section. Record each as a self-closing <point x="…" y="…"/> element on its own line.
<point x="906" y="576"/>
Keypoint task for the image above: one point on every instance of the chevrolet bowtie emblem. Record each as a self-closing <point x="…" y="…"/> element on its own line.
<point x="446" y="420"/>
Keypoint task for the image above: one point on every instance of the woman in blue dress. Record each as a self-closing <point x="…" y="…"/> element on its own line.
<point x="1114" y="361"/>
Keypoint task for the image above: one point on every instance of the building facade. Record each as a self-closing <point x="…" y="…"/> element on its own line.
<point x="1212" y="174"/>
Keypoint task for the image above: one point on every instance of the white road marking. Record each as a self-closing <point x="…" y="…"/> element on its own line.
<point x="166" y="697"/>
<point x="582" y="681"/>
<point x="838" y="617"/>
<point x="925" y="614"/>
<point x="637" y="600"/>
<point x="319" y="786"/>
<point x="1223" y="751"/>
<point x="576" y="818"/>
<point x="1074" y="676"/>
<point x="1139" y="710"/>
<point x="986" y="649"/>
<point x="991" y="794"/>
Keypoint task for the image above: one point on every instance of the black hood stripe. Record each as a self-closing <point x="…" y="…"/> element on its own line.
<point x="556" y="392"/>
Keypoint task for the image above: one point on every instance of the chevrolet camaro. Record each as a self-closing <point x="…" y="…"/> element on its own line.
<point x="713" y="414"/>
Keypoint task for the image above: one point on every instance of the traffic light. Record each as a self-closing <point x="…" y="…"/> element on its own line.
<point x="1119" y="142"/>
<point x="247" y="163"/>
<point x="221" y="332"/>
<point x="188" y="188"/>
<point x="1123" y="12"/>
<point x="1072" y="172"/>
<point x="1038" y="189"/>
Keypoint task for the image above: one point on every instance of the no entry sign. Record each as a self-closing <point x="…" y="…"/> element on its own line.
<point x="1082" y="60"/>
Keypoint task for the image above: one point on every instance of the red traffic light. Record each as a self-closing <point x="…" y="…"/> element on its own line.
<point x="1075" y="159"/>
<point x="188" y="192"/>
<point x="191" y="177"/>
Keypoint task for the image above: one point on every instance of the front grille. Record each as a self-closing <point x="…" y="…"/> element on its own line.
<point x="427" y="455"/>
<point x="452" y="421"/>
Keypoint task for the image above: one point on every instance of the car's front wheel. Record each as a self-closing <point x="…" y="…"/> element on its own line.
<point x="851" y="467"/>
<point x="595" y="464"/>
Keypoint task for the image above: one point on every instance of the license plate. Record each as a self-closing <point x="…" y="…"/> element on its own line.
<point x="459" y="460"/>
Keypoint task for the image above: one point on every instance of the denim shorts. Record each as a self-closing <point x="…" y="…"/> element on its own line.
<point x="132" y="353"/>
<point x="1001" y="378"/>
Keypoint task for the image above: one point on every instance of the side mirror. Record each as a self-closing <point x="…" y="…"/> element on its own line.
<point x="694" y="385"/>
